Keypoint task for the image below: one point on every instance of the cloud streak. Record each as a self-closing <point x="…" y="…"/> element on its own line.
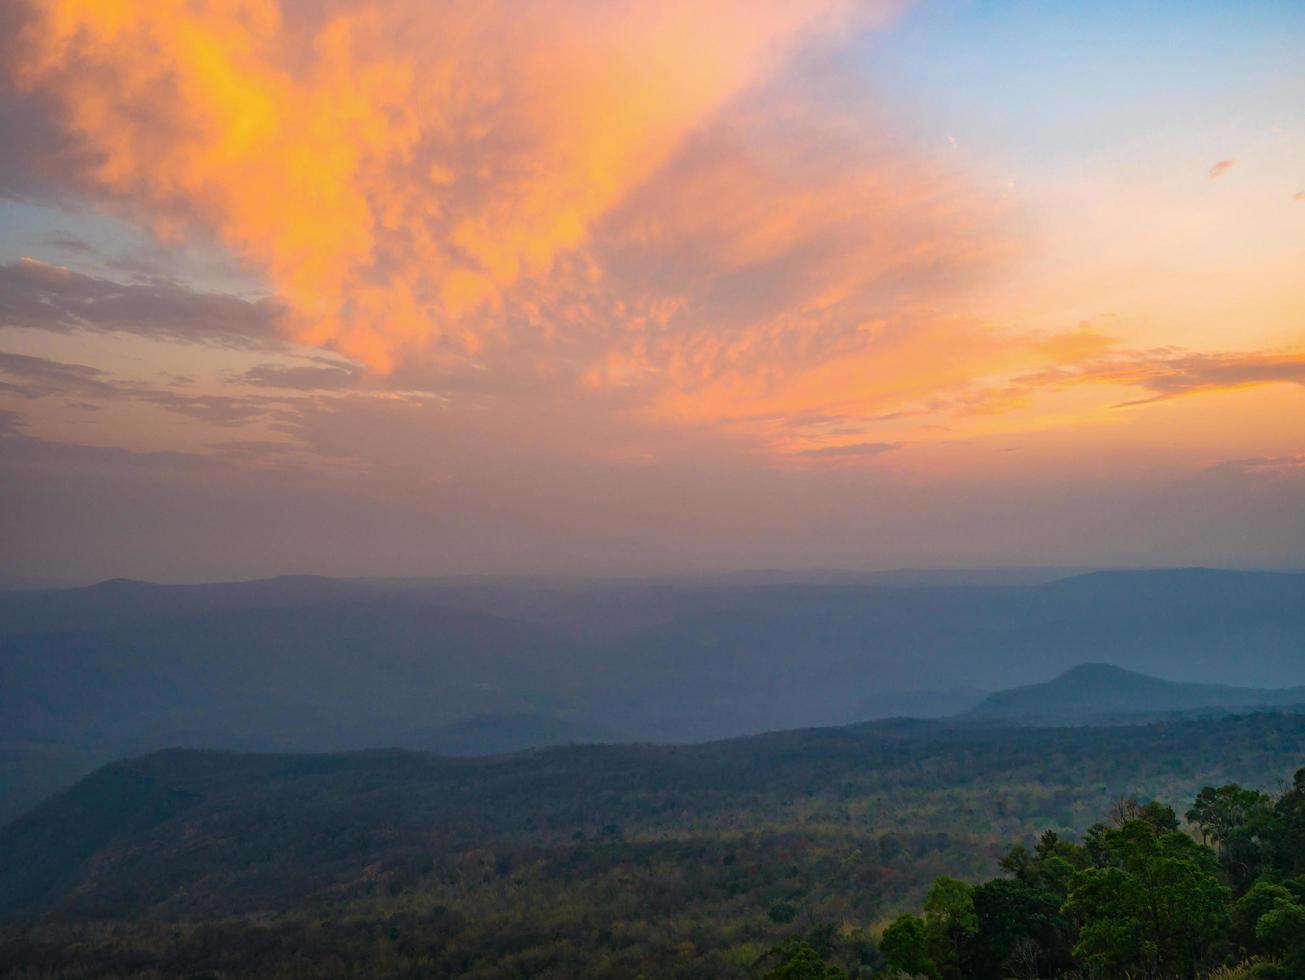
<point x="854" y="449"/>
<point x="1171" y="372"/>
<point x="42" y="296"/>
<point x="39" y="377"/>
<point x="1261" y="466"/>
<point x="299" y="378"/>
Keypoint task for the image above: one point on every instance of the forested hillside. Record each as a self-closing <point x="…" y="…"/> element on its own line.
<point x="590" y="861"/>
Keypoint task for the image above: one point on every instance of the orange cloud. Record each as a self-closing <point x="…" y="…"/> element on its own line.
<point x="780" y="265"/>
<point x="1220" y="168"/>
<point x="1171" y="372"/>
<point x="627" y="195"/>
<point x="397" y="170"/>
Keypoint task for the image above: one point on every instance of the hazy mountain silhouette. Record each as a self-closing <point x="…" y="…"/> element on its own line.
<point x="310" y="664"/>
<point x="1102" y="692"/>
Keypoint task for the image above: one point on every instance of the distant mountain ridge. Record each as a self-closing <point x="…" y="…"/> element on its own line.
<point x="1103" y="692"/>
<point x="307" y="664"/>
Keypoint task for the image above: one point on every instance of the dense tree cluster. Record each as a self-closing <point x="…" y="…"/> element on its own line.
<point x="1138" y="898"/>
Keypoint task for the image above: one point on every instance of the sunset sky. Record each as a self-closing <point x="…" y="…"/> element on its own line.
<point x="646" y="286"/>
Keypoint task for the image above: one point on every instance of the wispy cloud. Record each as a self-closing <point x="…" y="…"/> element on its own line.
<point x="39" y="295"/>
<point x="10" y="422"/>
<point x="1165" y="373"/>
<point x="38" y="377"/>
<point x="1261" y="465"/>
<point x="1221" y="167"/>
<point x="223" y="410"/>
<point x="1172" y="373"/>
<point x="68" y="243"/>
<point x="298" y="377"/>
<point x="853" y="449"/>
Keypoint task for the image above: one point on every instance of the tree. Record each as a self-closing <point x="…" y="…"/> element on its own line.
<point x="1287" y="849"/>
<point x="1159" y="816"/>
<point x="1024" y="958"/>
<point x="1156" y="910"/>
<point x="1236" y="821"/>
<point x="949" y="923"/>
<point x="1140" y="899"/>
<point x="800" y="961"/>
<point x="1049" y="867"/>
<point x="1124" y="810"/>
<point x="1246" y="911"/>
<point x="1281" y="930"/>
<point x="1010" y="915"/>
<point x="905" y="946"/>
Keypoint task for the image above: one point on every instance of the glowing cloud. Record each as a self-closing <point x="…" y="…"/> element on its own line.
<point x="1220" y="168"/>
<point x="394" y="168"/>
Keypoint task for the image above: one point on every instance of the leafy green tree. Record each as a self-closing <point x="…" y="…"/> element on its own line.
<point x="905" y="945"/>
<point x="800" y="961"/>
<point x="1287" y="846"/>
<point x="1140" y="899"/>
<point x="1220" y="812"/>
<point x="1159" y="816"/>
<point x="1245" y="913"/>
<point x="1157" y="910"/>
<point x="950" y="923"/>
<point x="1049" y="867"/>
<point x="1111" y="909"/>
<point x="1241" y="823"/>
<point x="1011" y="915"/>
<point x="1281" y="930"/>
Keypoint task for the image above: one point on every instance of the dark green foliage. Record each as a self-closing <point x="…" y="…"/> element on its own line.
<point x="1280" y="932"/>
<point x="1247" y="910"/>
<point x="1012" y="915"/>
<point x="1159" y="816"/>
<point x="1237" y="822"/>
<point x="1287" y="847"/>
<point x="950" y="922"/>
<point x="1141" y="899"/>
<point x="1155" y="909"/>
<point x="799" y="961"/>
<point x="782" y="912"/>
<point x="905" y="945"/>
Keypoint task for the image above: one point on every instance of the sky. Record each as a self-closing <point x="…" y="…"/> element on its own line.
<point x="410" y="287"/>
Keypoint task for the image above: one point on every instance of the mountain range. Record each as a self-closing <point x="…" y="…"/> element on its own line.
<point x="305" y="664"/>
